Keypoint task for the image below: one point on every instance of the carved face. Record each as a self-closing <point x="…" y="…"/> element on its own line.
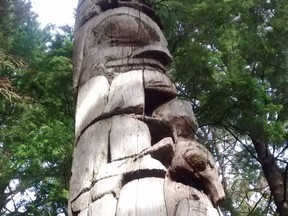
<point x="204" y="168"/>
<point x="121" y="38"/>
<point x="197" y="160"/>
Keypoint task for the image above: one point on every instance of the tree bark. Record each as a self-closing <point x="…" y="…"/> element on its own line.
<point x="135" y="151"/>
<point x="274" y="176"/>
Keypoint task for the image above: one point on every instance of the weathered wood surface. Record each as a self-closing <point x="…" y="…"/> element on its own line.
<point x="128" y="137"/>
<point x="162" y="151"/>
<point x="106" y="205"/>
<point x="142" y="197"/>
<point x="131" y="165"/>
<point x="83" y="213"/>
<point x="90" y="153"/>
<point x="180" y="114"/>
<point x="91" y="101"/>
<point x="194" y="158"/>
<point x="107" y="185"/>
<point x="129" y="31"/>
<point x="135" y="151"/>
<point x="158" y="81"/>
<point x="121" y="98"/>
<point x="184" y="200"/>
<point x="82" y="202"/>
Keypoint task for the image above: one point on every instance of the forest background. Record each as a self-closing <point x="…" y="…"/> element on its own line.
<point x="230" y="62"/>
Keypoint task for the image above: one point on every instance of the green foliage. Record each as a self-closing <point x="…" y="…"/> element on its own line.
<point x="230" y="61"/>
<point x="36" y="113"/>
<point x="232" y="52"/>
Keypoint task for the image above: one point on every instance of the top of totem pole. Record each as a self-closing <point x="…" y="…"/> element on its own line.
<point x="89" y="8"/>
<point x="112" y="36"/>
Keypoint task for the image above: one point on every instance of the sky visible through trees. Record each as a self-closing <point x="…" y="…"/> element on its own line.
<point x="58" y="12"/>
<point x="230" y="62"/>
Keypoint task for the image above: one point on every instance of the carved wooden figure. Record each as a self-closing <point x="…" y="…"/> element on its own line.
<point x="135" y="149"/>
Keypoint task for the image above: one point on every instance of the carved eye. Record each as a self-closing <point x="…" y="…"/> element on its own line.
<point x="123" y="30"/>
<point x="197" y="162"/>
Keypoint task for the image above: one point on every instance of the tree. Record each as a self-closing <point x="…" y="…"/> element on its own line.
<point x="39" y="138"/>
<point x="135" y="151"/>
<point x="231" y="62"/>
<point x="36" y="121"/>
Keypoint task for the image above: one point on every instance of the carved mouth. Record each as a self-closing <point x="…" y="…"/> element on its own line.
<point x="152" y="56"/>
<point x="154" y="51"/>
<point x="135" y="63"/>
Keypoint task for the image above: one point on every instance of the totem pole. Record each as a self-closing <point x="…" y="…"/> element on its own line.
<point x="135" y="149"/>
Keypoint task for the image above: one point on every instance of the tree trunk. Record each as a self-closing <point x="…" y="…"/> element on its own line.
<point x="274" y="176"/>
<point x="135" y="151"/>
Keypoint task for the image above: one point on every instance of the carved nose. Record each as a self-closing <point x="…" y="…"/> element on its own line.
<point x="215" y="189"/>
<point x="154" y="51"/>
<point x="204" y="168"/>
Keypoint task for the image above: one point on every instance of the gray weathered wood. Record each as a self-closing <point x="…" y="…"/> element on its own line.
<point x="107" y="185"/>
<point x="184" y="200"/>
<point x="158" y="50"/>
<point x="81" y="203"/>
<point x="129" y="166"/>
<point x="135" y="151"/>
<point x="180" y="114"/>
<point x="78" y="55"/>
<point x="126" y="93"/>
<point x="83" y="212"/>
<point x="91" y="101"/>
<point x="90" y="153"/>
<point x="135" y="64"/>
<point x="197" y="160"/>
<point x="163" y="151"/>
<point x="167" y="128"/>
<point x="100" y="30"/>
<point x="104" y="206"/>
<point x="86" y="9"/>
<point x="128" y="137"/>
<point x="159" y="81"/>
<point x="142" y="197"/>
<point x="111" y="177"/>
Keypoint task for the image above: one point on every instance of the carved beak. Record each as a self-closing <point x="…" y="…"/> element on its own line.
<point x="212" y="185"/>
<point x="155" y="52"/>
<point x="204" y="168"/>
